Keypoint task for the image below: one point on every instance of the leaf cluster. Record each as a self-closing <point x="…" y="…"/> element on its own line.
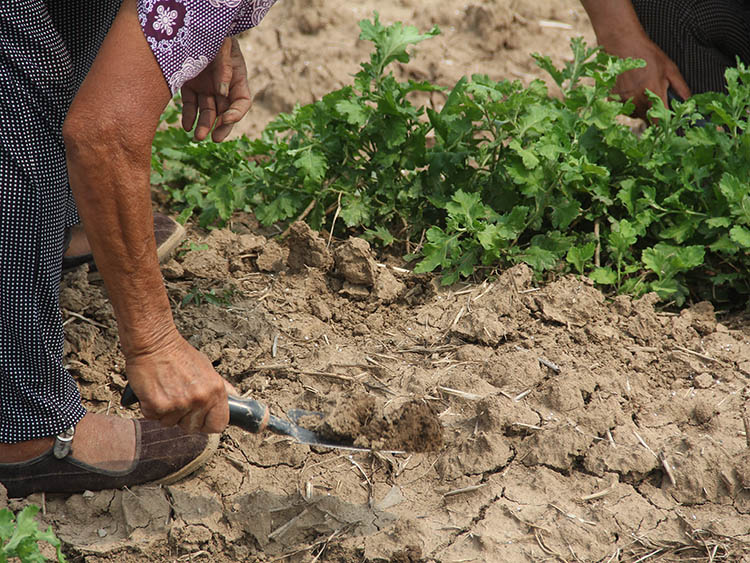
<point x="20" y="535"/>
<point x="502" y="173"/>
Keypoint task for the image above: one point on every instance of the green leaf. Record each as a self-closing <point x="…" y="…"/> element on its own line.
<point x="718" y="222"/>
<point x="391" y="42"/>
<point x="564" y="213"/>
<point x="26" y="527"/>
<point x="539" y="258"/>
<point x="740" y="235"/>
<point x="666" y="260"/>
<point x="355" y="113"/>
<point x="465" y="208"/>
<point x="580" y="255"/>
<point x="380" y="232"/>
<point x="604" y="276"/>
<point x="312" y="163"/>
<point x="6" y="525"/>
<point x="355" y="211"/>
<point x="437" y="251"/>
<point x="529" y="159"/>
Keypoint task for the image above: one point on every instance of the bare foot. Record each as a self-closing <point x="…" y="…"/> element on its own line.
<point x="106" y="442"/>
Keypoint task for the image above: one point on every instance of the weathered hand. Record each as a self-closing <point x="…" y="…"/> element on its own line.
<point x="659" y="74"/>
<point x="219" y="96"/>
<point x="176" y="384"/>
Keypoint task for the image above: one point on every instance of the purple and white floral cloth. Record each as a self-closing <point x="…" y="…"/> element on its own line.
<point x="185" y="35"/>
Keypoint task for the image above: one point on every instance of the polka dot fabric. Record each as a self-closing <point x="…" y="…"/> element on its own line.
<point x="46" y="49"/>
<point x="702" y="37"/>
<point x="185" y="35"/>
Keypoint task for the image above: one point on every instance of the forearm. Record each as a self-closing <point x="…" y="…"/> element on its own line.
<point x="108" y="134"/>
<point x="613" y="21"/>
<point x="111" y="186"/>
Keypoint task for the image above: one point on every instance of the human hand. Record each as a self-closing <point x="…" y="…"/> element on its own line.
<point x="659" y="75"/>
<point x="219" y="96"/>
<point x="176" y="384"/>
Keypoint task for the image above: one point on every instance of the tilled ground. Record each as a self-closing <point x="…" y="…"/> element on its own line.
<point x="574" y="428"/>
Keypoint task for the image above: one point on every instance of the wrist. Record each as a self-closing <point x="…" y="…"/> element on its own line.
<point x="148" y="334"/>
<point x="622" y="40"/>
<point x="615" y="22"/>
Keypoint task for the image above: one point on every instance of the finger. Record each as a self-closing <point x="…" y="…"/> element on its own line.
<point x="677" y="82"/>
<point x="167" y="416"/>
<point x="206" y="118"/>
<point x="221" y="131"/>
<point x="216" y="419"/>
<point x="642" y="105"/>
<point x="223" y="70"/>
<point x="189" y="108"/>
<point x="230" y="389"/>
<point x="193" y="421"/>
<point x="236" y="111"/>
<point x="662" y="93"/>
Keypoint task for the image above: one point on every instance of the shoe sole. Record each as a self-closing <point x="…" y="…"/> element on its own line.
<point x="163" y="252"/>
<point x="166" y="248"/>
<point x="211" y="446"/>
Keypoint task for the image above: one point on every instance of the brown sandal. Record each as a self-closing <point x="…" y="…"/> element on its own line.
<point x="163" y="455"/>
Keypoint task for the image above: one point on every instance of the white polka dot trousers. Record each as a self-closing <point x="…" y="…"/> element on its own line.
<point x="46" y="49"/>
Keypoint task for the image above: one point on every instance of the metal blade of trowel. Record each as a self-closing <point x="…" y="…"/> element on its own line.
<point x="254" y="416"/>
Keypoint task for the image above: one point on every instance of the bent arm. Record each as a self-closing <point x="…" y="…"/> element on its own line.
<point x="613" y="20"/>
<point x="108" y="134"/>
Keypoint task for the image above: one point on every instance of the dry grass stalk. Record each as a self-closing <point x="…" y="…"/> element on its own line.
<point x="458" y="317"/>
<point x="599" y="494"/>
<point x="462" y="394"/>
<point x="521" y="395"/>
<point x="644" y="444"/>
<point x="72" y="315"/>
<point x="667" y="468"/>
<point x="698" y="354"/>
<point x="546" y="363"/>
<point x="529" y="426"/>
<point x="463" y="490"/>
<point x="281" y="530"/>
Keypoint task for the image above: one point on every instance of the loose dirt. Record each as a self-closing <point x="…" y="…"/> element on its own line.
<point x="413" y="428"/>
<point x="543" y="422"/>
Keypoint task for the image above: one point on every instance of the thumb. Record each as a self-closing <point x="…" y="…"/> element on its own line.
<point x="230" y="389"/>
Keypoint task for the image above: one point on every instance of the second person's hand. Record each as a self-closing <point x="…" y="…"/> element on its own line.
<point x="659" y="75"/>
<point x="219" y="96"/>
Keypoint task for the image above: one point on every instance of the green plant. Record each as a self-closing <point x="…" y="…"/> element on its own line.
<point x="513" y="175"/>
<point x="19" y="536"/>
<point x="198" y="296"/>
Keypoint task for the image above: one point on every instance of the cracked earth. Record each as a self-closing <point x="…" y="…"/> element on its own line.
<point x="568" y="426"/>
<point x="572" y="426"/>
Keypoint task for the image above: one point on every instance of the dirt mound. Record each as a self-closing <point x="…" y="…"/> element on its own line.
<point x="411" y="428"/>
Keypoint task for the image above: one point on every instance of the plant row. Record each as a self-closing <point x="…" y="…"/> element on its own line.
<point x="502" y="173"/>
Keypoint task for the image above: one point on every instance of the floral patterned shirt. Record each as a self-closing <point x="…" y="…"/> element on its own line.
<point x="185" y="35"/>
